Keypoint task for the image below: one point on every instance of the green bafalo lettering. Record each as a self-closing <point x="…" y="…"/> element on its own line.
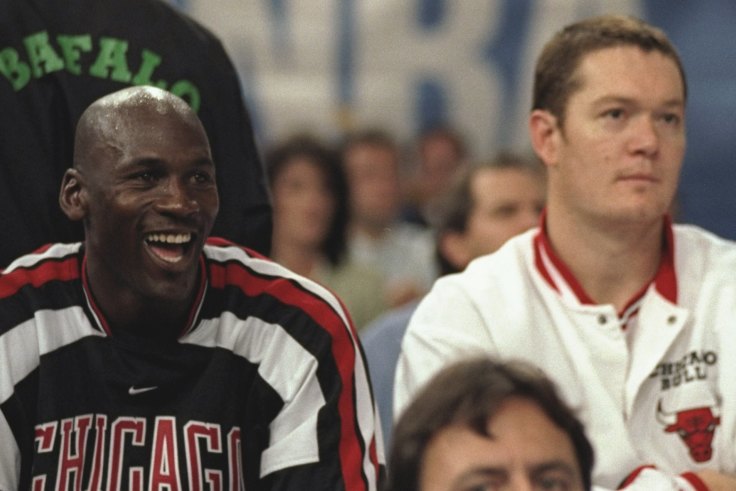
<point x="16" y="71"/>
<point x="111" y="61"/>
<point x="71" y="49"/>
<point x="187" y="91"/>
<point x="150" y="61"/>
<point x="42" y="57"/>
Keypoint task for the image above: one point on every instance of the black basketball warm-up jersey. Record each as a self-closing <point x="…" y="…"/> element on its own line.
<point x="265" y="388"/>
<point x="57" y="57"/>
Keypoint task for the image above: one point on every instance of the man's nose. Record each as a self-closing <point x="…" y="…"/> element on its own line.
<point x="645" y="136"/>
<point x="177" y="198"/>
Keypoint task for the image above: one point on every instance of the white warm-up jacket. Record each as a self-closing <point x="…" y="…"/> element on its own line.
<point x="654" y="385"/>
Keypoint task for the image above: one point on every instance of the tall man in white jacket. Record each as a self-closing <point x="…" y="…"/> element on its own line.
<point x="633" y="317"/>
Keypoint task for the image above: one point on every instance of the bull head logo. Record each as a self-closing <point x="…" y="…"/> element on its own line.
<point x="695" y="427"/>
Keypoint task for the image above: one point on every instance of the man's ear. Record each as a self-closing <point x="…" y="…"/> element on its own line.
<point x="545" y="134"/>
<point x="73" y="195"/>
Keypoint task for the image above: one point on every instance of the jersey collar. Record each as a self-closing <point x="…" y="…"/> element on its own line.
<point x="101" y="323"/>
<point x="558" y="275"/>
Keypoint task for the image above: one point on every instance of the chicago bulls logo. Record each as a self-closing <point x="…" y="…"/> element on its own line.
<point x="695" y="426"/>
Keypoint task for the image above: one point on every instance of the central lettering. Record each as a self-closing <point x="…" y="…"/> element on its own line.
<point x="87" y="452"/>
<point x="79" y="55"/>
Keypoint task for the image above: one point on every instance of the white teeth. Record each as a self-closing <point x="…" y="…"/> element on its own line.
<point x="169" y="238"/>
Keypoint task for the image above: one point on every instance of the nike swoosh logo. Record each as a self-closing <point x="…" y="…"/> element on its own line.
<point x="134" y="391"/>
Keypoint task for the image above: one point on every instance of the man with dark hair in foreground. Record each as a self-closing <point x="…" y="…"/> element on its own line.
<point x="484" y="424"/>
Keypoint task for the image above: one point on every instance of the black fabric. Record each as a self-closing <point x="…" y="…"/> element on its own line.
<point x="58" y="57"/>
<point x="90" y="385"/>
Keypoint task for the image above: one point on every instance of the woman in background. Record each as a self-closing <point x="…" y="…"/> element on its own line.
<point x="310" y="213"/>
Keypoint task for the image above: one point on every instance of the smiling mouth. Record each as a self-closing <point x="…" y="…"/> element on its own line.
<point x="170" y="248"/>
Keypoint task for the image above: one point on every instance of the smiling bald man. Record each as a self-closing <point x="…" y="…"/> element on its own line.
<point x="152" y="356"/>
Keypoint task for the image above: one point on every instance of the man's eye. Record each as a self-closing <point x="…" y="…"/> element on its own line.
<point x="670" y="119"/>
<point x="202" y="177"/>
<point x="614" y="113"/>
<point x="146" y="176"/>
<point x="553" y="484"/>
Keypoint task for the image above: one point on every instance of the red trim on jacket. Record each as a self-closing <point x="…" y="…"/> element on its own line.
<point x="665" y="279"/>
<point x="695" y="481"/>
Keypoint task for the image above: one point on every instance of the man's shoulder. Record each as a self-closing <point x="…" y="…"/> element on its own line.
<point x="507" y="275"/>
<point x="53" y="261"/>
<point x="513" y="258"/>
<point x="695" y="245"/>
<point x="229" y="264"/>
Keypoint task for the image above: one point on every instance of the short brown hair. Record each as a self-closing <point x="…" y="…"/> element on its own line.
<point x="469" y="393"/>
<point x="457" y="202"/>
<point x="555" y="76"/>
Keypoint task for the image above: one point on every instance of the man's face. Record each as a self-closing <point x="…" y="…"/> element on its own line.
<point x="440" y="160"/>
<point x="152" y="200"/>
<point x="506" y="202"/>
<point x="526" y="452"/>
<point x="373" y="177"/>
<point x="617" y="157"/>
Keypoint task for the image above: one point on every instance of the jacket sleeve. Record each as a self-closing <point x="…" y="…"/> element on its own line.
<point x="445" y="327"/>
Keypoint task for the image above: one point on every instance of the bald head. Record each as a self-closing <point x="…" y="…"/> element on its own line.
<point x="118" y="115"/>
<point x="135" y="129"/>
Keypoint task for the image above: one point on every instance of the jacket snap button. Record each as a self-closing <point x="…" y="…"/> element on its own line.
<point x="602" y="319"/>
<point x="671" y="319"/>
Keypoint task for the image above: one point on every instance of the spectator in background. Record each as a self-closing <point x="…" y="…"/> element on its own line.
<point x="440" y="152"/>
<point x="310" y="213"/>
<point x="377" y="238"/>
<point x="483" y="424"/>
<point x="58" y="57"/>
<point x="485" y="205"/>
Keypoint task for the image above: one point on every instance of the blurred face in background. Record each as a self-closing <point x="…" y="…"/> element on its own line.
<point x="373" y="178"/>
<point x="506" y="202"/>
<point x="440" y="159"/>
<point x="303" y="204"/>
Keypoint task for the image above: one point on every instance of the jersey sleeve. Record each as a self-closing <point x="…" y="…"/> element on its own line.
<point x="326" y="433"/>
<point x="446" y="326"/>
<point x="9" y="457"/>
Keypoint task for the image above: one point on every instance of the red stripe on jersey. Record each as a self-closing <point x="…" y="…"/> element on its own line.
<point x="50" y="270"/>
<point x="374" y="459"/>
<point x="343" y="352"/>
<point x="221" y="242"/>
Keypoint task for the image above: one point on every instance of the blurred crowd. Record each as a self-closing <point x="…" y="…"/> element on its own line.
<point x="377" y="220"/>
